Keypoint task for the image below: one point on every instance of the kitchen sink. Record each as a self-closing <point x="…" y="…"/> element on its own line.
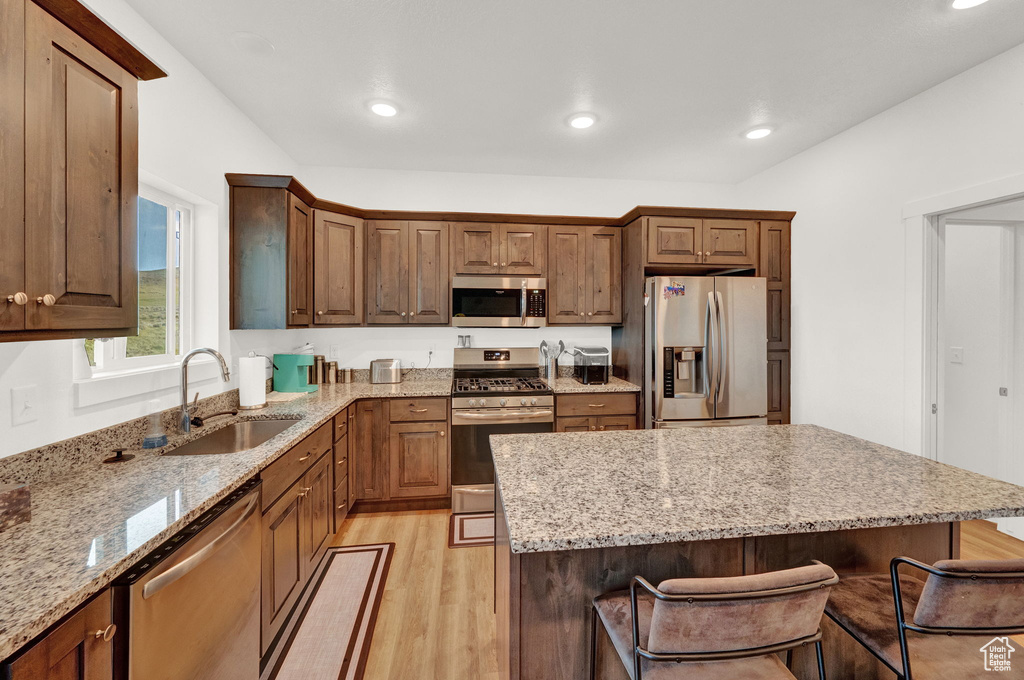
<point x="234" y="438"/>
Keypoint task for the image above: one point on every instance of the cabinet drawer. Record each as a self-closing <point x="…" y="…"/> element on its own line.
<point x="341" y="458"/>
<point x="283" y="472"/>
<point x="418" y="409"/>
<point x="341" y="503"/>
<point x="340" y="425"/>
<point x="599" y="404"/>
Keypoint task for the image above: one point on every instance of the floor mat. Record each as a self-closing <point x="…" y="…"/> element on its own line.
<point x="471" y="530"/>
<point x="328" y="634"/>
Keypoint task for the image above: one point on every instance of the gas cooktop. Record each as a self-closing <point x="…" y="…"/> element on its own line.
<point x="500" y="385"/>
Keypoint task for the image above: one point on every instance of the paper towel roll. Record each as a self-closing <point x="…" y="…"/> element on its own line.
<point x="252" y="382"/>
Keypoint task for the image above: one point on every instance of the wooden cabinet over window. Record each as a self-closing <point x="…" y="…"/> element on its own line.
<point x="407" y="272"/>
<point x="511" y="249"/>
<point x="585" y="276"/>
<point x="68" y="173"/>
<point x="689" y="240"/>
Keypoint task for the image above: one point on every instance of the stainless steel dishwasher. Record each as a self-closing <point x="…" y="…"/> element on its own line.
<point x="191" y="608"/>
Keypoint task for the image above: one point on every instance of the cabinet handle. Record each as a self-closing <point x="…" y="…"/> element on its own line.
<point x="305" y="492"/>
<point x="596" y="405"/>
<point x="47" y="300"/>
<point x="107" y="634"/>
<point x="306" y="457"/>
<point x="18" y="298"/>
<point x="342" y="461"/>
<point x="417" y="410"/>
<point x="341" y="507"/>
<point x="352" y="416"/>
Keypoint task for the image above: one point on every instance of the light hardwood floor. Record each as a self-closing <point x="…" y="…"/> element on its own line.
<point x="437" y="616"/>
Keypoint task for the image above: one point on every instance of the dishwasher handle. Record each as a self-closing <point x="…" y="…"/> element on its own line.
<point x="185" y="566"/>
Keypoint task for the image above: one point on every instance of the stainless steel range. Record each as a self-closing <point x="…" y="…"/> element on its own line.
<point x="494" y="391"/>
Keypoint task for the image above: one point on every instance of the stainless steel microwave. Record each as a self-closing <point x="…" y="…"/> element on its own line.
<point x="499" y="301"/>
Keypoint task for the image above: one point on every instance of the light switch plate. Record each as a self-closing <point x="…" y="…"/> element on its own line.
<point x="956" y="355"/>
<point x="23" y="405"/>
<point x="335" y="353"/>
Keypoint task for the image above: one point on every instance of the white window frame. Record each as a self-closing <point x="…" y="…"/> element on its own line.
<point x="109" y="353"/>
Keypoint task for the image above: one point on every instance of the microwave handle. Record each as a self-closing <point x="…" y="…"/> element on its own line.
<point x="522" y="306"/>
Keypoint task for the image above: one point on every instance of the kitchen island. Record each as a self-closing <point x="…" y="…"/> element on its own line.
<point x="579" y="514"/>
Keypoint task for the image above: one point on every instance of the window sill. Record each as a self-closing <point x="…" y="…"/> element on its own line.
<point x="149" y="381"/>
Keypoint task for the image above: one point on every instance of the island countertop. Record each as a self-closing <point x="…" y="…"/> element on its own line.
<point x="570" y="491"/>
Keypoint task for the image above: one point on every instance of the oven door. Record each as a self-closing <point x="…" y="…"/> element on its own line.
<point x="472" y="465"/>
<point x="494" y="301"/>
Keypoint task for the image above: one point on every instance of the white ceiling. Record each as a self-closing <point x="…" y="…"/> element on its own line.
<point x="486" y="86"/>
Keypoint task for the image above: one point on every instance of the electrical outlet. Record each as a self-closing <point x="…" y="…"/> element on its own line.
<point x="956" y="355"/>
<point x="23" y="405"/>
<point x="335" y="353"/>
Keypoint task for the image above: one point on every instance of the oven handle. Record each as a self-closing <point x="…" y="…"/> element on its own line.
<point x="474" y="418"/>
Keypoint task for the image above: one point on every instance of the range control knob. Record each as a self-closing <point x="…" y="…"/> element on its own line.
<point x="472" y="403"/>
<point x="522" y="401"/>
<point x="483" y="402"/>
<point x="502" y="402"/>
<point x="533" y="402"/>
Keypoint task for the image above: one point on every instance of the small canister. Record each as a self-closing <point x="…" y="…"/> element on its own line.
<point x="317" y="373"/>
<point x="344" y="375"/>
<point x="331" y="372"/>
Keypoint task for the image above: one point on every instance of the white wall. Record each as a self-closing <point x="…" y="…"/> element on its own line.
<point x="972" y="323"/>
<point x="189" y="136"/>
<point x="849" y="258"/>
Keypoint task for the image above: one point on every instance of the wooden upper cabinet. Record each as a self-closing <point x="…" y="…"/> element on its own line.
<point x="689" y="240"/>
<point x="72" y="651"/>
<point x="604" y="275"/>
<point x="387" y="272"/>
<point x="300" y="254"/>
<point x="522" y="250"/>
<point x="262" y="273"/>
<point x="12" y="165"/>
<point x="407" y="273"/>
<point x="429" y="293"/>
<point x="675" y="240"/>
<point x="732" y="242"/>
<point x="81" y="182"/>
<point x="475" y="248"/>
<point x="337" y="269"/>
<point x="567" y="275"/>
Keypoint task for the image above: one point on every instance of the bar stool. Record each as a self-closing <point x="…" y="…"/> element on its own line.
<point x="956" y="609"/>
<point x="715" y="628"/>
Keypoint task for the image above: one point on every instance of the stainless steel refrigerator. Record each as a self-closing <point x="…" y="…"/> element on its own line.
<point x="708" y="361"/>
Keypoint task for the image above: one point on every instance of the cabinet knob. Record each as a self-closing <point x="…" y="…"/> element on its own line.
<point x="319" y="313"/>
<point x="305" y="492"/>
<point x="47" y="300"/>
<point x="502" y="264"/>
<point x="590" y="314"/>
<point x="295" y="311"/>
<point x="403" y="313"/>
<point x="18" y="298"/>
<point x="412" y="313"/>
<point x="107" y="633"/>
<point x="600" y="427"/>
<point x="495" y="264"/>
<point x="592" y="427"/>
<point x="581" y="313"/>
<point x="442" y="433"/>
<point x="699" y="253"/>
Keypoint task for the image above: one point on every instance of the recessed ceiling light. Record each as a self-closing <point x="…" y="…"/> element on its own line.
<point x="581" y="121"/>
<point x="758" y="133"/>
<point x="967" y="4"/>
<point x="252" y="43"/>
<point x="383" y="109"/>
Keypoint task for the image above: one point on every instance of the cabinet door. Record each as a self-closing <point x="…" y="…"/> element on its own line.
<point x="366" y="457"/>
<point x="604" y="275"/>
<point x="675" y="240"/>
<point x="778" y="388"/>
<point x="300" y="254"/>
<point x="475" y="248"/>
<point x="387" y="275"/>
<point x="606" y="423"/>
<point x="774" y="265"/>
<point x="523" y="250"/>
<point x="429" y="293"/>
<point x="567" y="275"/>
<point x="419" y="459"/>
<point x="576" y="424"/>
<point x="337" y="269"/>
<point x="81" y="182"/>
<point x="284" y="563"/>
<point x="72" y="651"/>
<point x="732" y="242"/>
<point x="12" y="163"/>
<point x="316" y="492"/>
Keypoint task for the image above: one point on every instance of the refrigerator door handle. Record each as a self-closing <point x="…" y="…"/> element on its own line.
<point x="711" y="361"/>
<point x="706" y="364"/>
<point x="723" y="359"/>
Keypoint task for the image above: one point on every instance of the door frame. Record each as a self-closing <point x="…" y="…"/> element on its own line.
<point x="923" y="221"/>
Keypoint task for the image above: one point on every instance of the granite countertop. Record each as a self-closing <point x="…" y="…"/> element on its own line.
<point x="570" y="491"/>
<point x="89" y="527"/>
<point x="563" y="385"/>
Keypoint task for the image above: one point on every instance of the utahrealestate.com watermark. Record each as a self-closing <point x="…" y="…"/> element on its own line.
<point x="997" y="654"/>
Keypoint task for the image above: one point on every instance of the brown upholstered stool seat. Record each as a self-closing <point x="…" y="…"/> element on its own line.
<point x="614" y="611"/>
<point x="863" y="605"/>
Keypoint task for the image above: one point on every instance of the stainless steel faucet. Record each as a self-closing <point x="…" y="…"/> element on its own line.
<point x="186" y="417"/>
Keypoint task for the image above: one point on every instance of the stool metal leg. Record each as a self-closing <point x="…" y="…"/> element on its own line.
<point x="593" y="643"/>
<point x="821" y="660"/>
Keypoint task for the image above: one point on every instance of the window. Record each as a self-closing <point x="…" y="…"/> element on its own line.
<point x="165" y="225"/>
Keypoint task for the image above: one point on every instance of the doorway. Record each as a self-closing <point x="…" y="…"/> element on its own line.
<point x="978" y="369"/>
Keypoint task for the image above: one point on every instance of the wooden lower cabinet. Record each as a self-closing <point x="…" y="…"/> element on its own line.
<point x="368" y="462"/>
<point x="595" y="423"/>
<point x="418" y="459"/>
<point x="72" y="651"/>
<point x="284" y="564"/>
<point x="316" y="511"/>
